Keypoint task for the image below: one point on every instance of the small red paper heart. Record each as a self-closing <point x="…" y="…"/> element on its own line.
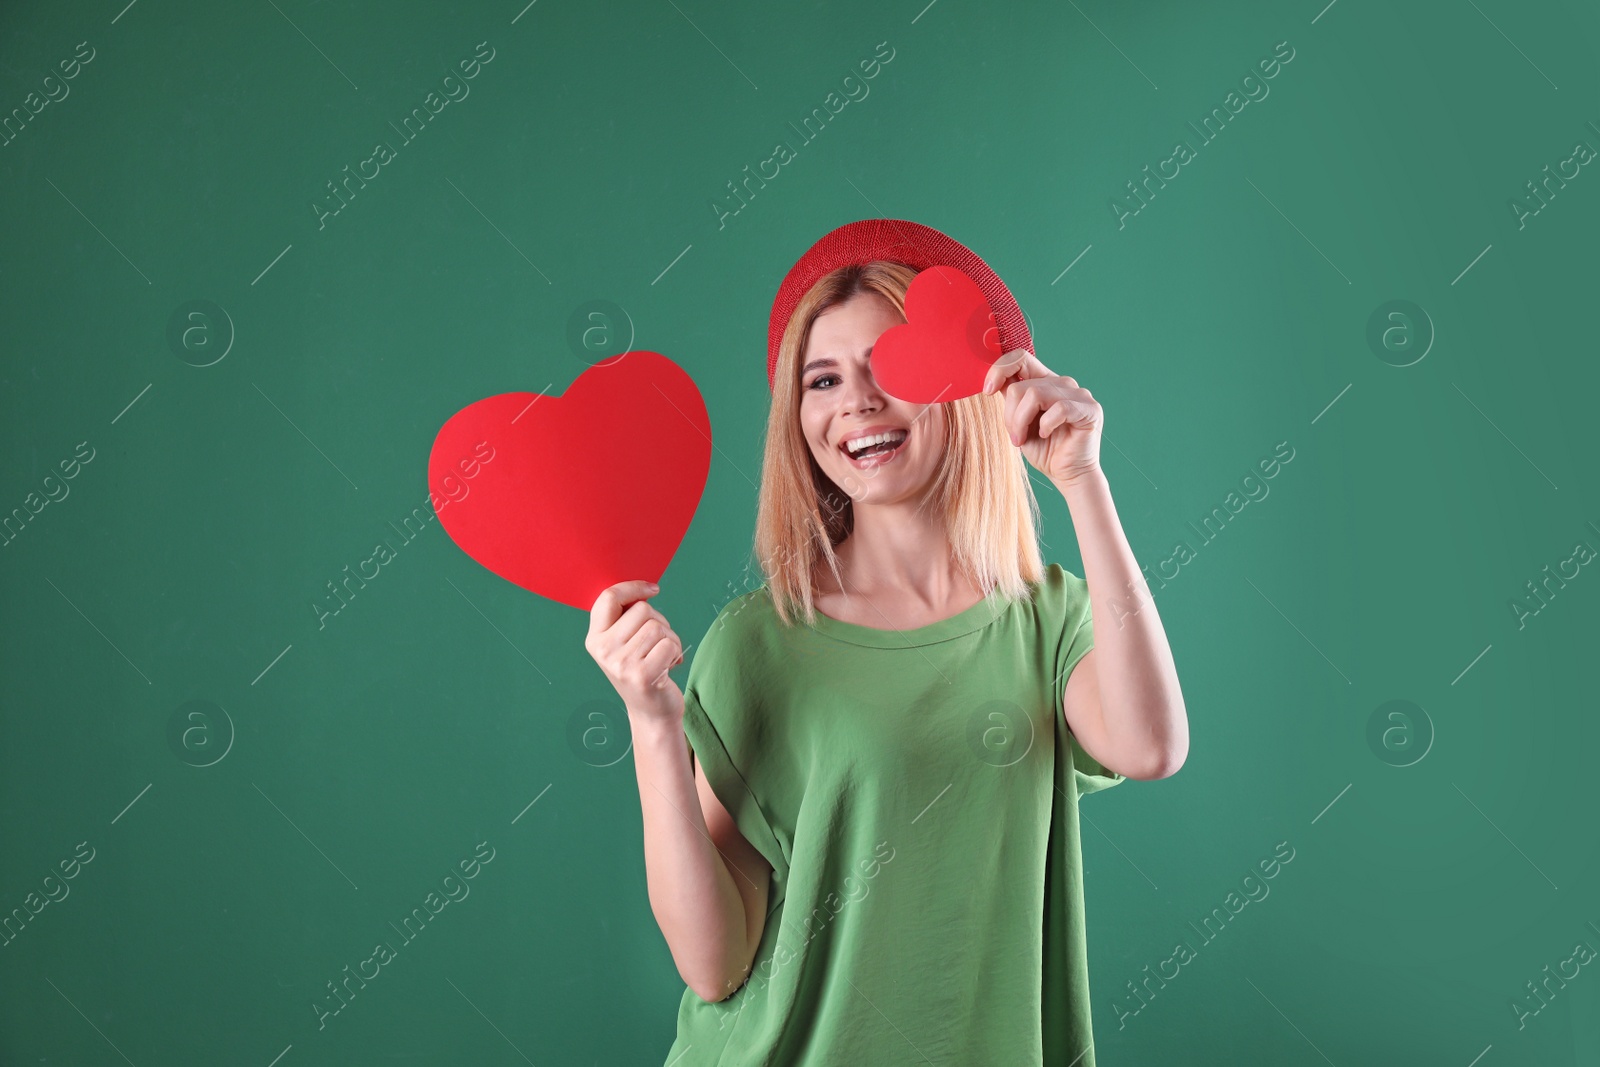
<point x="582" y="490"/>
<point x="947" y="344"/>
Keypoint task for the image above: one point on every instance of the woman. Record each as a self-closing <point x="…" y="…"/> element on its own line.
<point x="868" y="853"/>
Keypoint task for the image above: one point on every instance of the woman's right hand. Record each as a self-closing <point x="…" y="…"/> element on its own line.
<point x="635" y="647"/>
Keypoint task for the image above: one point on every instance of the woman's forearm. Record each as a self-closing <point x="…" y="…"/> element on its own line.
<point x="1141" y="703"/>
<point x="692" y="893"/>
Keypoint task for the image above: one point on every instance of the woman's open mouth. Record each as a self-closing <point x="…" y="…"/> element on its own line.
<point x="882" y="448"/>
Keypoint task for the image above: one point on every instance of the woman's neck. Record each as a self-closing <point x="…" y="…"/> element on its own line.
<point x="898" y="565"/>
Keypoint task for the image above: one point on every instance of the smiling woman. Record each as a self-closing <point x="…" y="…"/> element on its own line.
<point x="911" y="673"/>
<point x="957" y="452"/>
<point x="902" y="677"/>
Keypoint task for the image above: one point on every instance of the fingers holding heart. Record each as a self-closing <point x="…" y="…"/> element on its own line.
<point x="1052" y="406"/>
<point x="1015" y="364"/>
<point x="1025" y="406"/>
<point x="1066" y="412"/>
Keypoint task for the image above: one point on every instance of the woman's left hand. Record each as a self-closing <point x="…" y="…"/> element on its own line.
<point x="1055" y="422"/>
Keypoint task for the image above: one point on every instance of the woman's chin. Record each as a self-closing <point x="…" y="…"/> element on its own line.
<point x="887" y="486"/>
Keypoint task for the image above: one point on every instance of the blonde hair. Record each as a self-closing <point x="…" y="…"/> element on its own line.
<point x="981" y="487"/>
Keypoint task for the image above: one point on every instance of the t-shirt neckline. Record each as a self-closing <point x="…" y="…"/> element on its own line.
<point x="962" y="622"/>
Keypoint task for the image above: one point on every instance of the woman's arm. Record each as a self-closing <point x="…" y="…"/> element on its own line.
<point x="1123" y="701"/>
<point x="707" y="884"/>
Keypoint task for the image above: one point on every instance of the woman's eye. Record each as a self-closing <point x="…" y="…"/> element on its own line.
<point x="820" y="379"/>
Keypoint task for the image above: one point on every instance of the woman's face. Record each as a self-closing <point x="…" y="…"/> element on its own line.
<point x="840" y="403"/>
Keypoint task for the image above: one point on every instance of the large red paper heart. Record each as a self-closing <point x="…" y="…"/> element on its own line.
<point x="567" y="495"/>
<point x="946" y="345"/>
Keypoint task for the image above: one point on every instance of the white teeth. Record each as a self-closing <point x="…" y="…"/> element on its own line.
<point x="874" y="439"/>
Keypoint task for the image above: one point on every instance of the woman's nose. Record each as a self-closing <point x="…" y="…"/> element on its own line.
<point x="862" y="393"/>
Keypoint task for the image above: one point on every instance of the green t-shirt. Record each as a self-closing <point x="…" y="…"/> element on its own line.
<point x="916" y="792"/>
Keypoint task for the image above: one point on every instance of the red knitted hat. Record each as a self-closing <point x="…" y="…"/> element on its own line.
<point x="911" y="243"/>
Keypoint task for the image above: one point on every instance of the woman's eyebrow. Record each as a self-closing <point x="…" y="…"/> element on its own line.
<point x="829" y="362"/>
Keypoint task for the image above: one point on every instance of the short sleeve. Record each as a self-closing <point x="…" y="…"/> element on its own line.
<point x="720" y="721"/>
<point x="1077" y="639"/>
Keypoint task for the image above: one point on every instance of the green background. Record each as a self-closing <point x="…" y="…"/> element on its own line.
<point x="362" y="759"/>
